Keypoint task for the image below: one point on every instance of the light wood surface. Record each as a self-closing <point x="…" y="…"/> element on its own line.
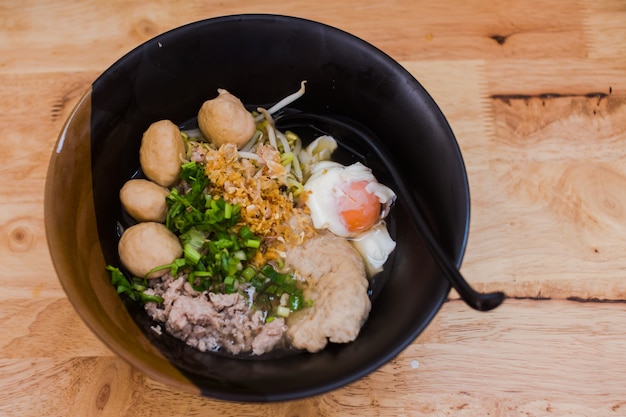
<point x="536" y="94"/>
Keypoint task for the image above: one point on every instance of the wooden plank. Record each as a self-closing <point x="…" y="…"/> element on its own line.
<point x="36" y="108"/>
<point x="569" y="363"/>
<point x="522" y="155"/>
<point x="535" y="92"/>
<point x="605" y="28"/>
<point x="537" y="77"/>
<point x="555" y="218"/>
<point x="443" y="30"/>
<point x="33" y="324"/>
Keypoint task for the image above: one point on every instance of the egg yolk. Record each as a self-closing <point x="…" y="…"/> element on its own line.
<point x="358" y="208"/>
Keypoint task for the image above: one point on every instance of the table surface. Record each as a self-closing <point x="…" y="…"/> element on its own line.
<point x="536" y="94"/>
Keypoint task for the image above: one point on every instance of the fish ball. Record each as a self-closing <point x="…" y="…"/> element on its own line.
<point x="146" y="246"/>
<point x="224" y="119"/>
<point x="161" y="153"/>
<point x="145" y="200"/>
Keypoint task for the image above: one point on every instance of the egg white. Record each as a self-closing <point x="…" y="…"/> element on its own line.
<point x="375" y="245"/>
<point x="324" y="188"/>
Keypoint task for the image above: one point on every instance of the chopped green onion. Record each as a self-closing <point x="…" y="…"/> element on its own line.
<point x="191" y="254"/>
<point x="253" y="243"/>
<point x="283" y="311"/>
<point x="158" y="268"/>
<point x="201" y="274"/>
<point x="228" y="211"/>
<point x="295" y="302"/>
<point x="134" y="290"/>
<point x="246" y="233"/>
<point x="194" y="238"/>
<point x="240" y="254"/>
<point x="248" y="273"/>
<point x="176" y="265"/>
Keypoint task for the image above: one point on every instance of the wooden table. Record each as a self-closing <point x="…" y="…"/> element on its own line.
<point x="536" y="94"/>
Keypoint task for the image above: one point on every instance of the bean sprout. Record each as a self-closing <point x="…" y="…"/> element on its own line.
<point x="271" y="132"/>
<point x="248" y="155"/>
<point x="287" y="144"/>
<point x="255" y="138"/>
<point x="284" y="102"/>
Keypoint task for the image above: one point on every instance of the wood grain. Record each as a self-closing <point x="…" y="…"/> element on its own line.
<point x="553" y="199"/>
<point x="535" y="92"/>
<point x="549" y="369"/>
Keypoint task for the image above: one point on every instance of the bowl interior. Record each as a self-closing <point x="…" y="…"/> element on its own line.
<point x="260" y="59"/>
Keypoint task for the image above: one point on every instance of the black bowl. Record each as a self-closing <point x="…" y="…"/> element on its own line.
<point x="260" y="59"/>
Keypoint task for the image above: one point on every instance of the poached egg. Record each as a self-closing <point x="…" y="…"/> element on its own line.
<point x="351" y="203"/>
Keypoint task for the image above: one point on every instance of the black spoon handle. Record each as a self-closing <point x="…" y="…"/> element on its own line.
<point x="473" y="298"/>
<point x="338" y="128"/>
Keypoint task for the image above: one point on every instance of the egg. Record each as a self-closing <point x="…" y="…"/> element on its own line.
<point x="351" y="203"/>
<point x="375" y="246"/>
<point x="347" y="200"/>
